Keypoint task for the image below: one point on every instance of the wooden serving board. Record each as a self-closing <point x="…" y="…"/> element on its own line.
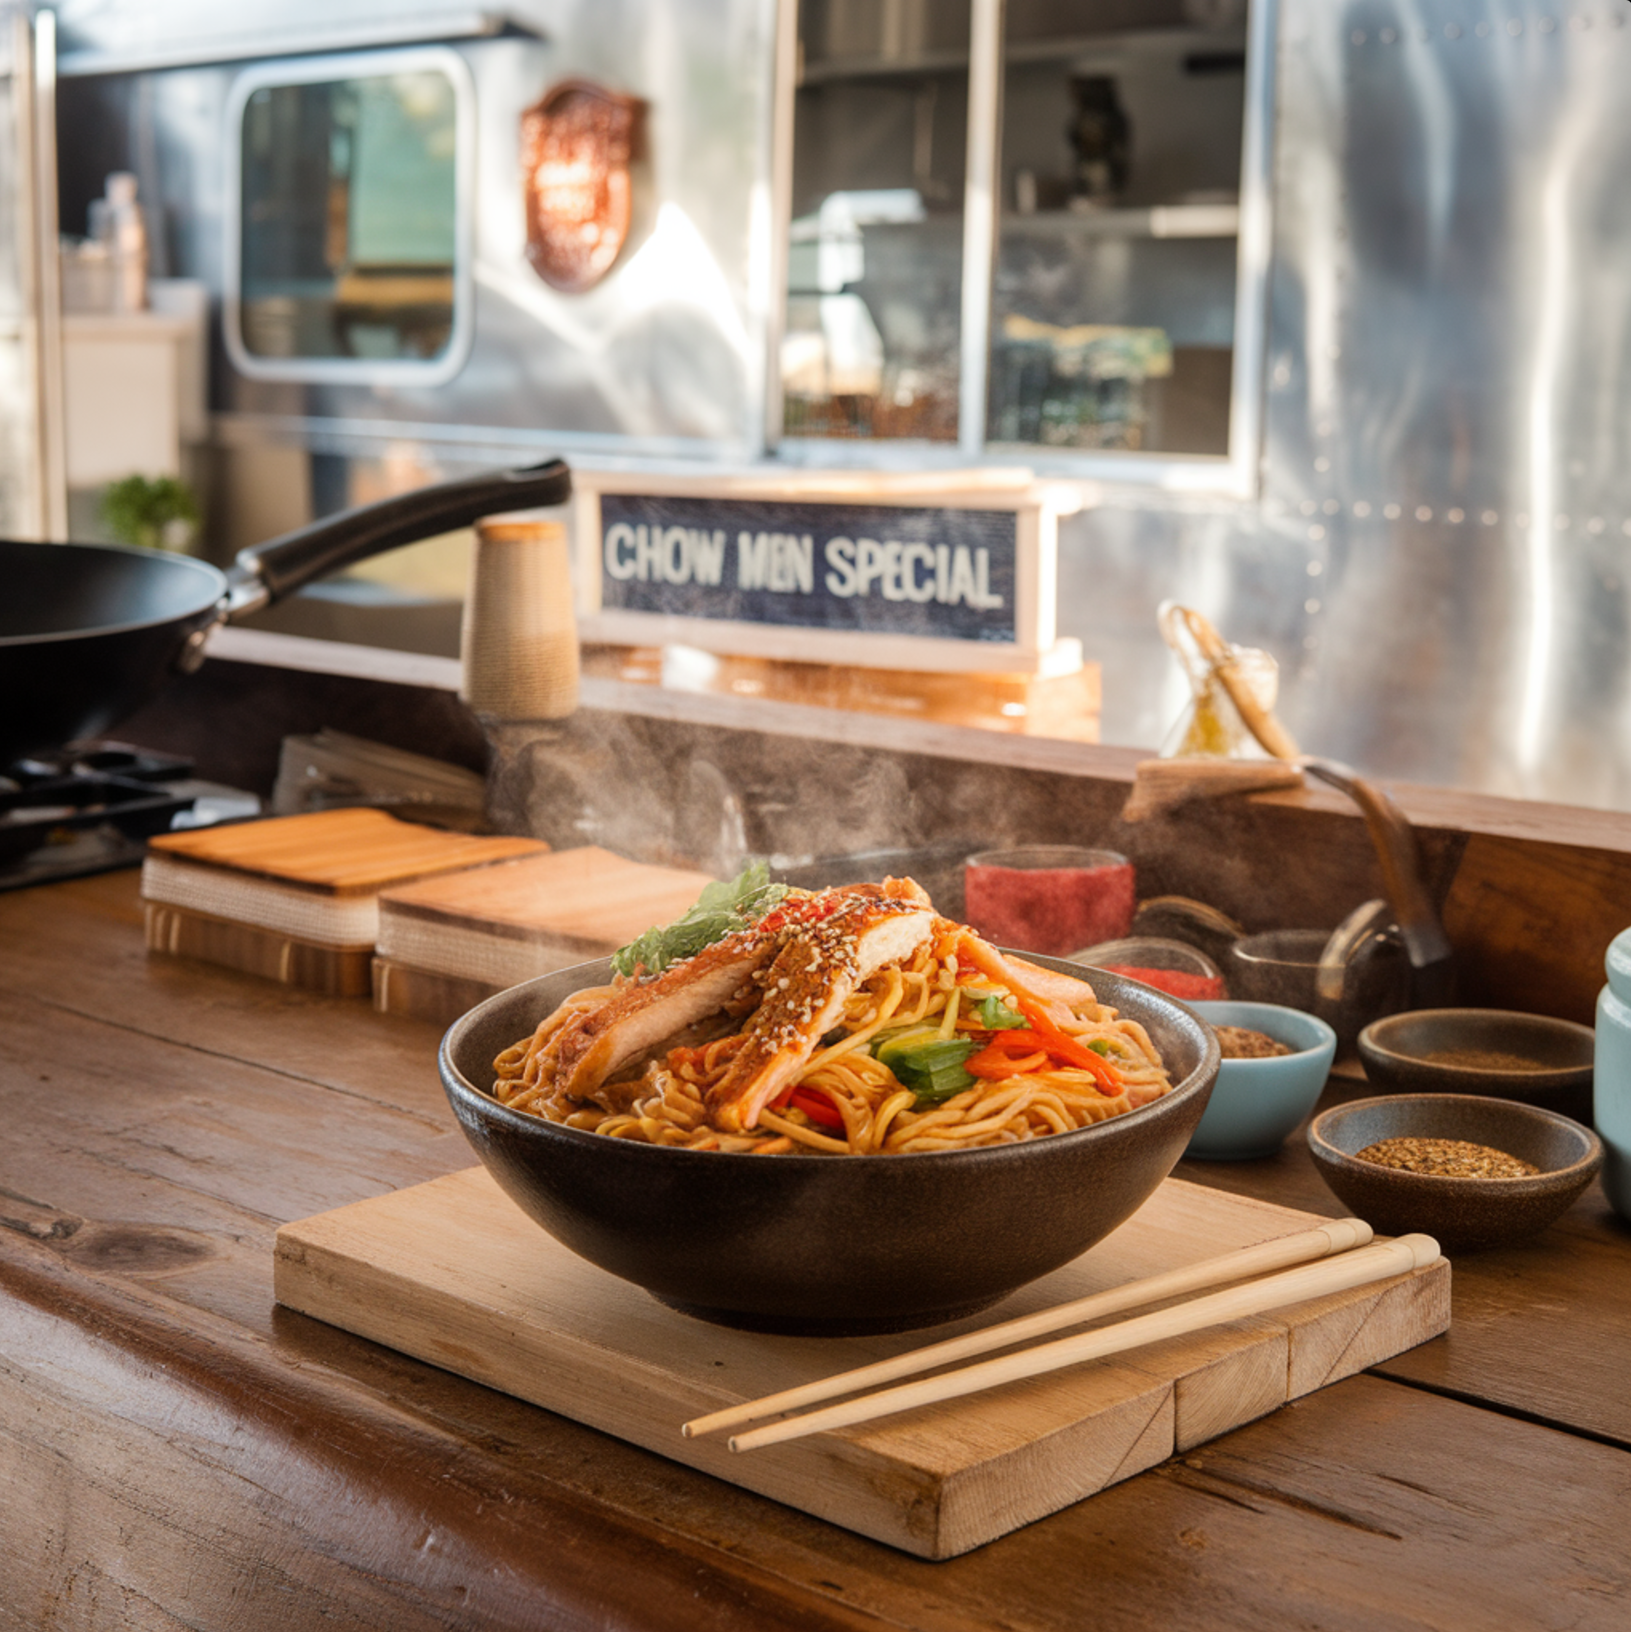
<point x="422" y="994"/>
<point x="453" y="1273"/>
<point x="355" y="851"/>
<point x="444" y="943"/>
<point x="586" y="901"/>
<point x="336" y="971"/>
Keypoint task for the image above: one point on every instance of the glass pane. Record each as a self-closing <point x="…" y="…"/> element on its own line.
<point x="1112" y="322"/>
<point x="875" y="261"/>
<point x="349" y="218"/>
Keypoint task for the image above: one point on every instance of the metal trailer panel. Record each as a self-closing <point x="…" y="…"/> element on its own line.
<point x="1439" y="551"/>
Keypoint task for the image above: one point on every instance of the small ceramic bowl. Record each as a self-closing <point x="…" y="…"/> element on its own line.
<point x="1257" y="1104"/>
<point x="1463" y="1215"/>
<point x="1528" y="1057"/>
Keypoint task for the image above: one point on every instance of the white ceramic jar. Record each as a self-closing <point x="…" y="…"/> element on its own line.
<point x="1611" y="1081"/>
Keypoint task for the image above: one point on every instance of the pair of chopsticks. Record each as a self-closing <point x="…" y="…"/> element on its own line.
<point x="1331" y="1257"/>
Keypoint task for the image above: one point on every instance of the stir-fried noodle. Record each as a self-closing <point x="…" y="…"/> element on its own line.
<point x="1049" y="1059"/>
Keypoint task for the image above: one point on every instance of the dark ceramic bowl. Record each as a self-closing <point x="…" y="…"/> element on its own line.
<point x="826" y="1244"/>
<point x="1530" y="1057"/>
<point x="1462" y="1215"/>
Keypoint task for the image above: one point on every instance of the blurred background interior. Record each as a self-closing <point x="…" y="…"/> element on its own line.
<point x="1327" y="306"/>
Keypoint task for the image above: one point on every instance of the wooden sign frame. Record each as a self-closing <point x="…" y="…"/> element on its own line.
<point x="814" y="504"/>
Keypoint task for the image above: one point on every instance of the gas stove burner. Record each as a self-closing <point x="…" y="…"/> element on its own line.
<point x="99" y="759"/>
<point x="90" y="807"/>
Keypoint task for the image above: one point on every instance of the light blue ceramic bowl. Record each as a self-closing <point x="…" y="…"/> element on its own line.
<point x="1256" y="1104"/>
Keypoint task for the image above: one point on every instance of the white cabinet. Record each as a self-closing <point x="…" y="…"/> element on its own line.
<point x="134" y="386"/>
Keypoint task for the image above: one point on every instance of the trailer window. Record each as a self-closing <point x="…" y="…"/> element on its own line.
<point x="1034" y="232"/>
<point x="348" y="243"/>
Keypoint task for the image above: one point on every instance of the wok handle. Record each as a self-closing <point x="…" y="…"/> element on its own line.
<point x="267" y="573"/>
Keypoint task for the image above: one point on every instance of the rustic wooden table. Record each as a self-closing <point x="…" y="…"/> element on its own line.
<point x="177" y="1451"/>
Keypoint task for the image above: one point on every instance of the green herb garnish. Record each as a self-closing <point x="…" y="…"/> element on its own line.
<point x="721" y="910"/>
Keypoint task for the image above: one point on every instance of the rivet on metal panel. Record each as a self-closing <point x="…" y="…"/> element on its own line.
<point x="1358" y="36"/>
<point x="1452" y="31"/>
<point x="1387" y="36"/>
<point x="1595" y="525"/>
<point x="1315" y="568"/>
<point x="1455" y="517"/>
<point x="1322" y="464"/>
<point x="1424" y="512"/>
<point x="1316" y="533"/>
<point x="1546" y="25"/>
<point x="1311" y="607"/>
<point x="1392" y="512"/>
<point x="1514" y="27"/>
<point x="1331" y="506"/>
<point x="1308" y="507"/>
<point x="1490" y="517"/>
<point x="1362" y="508"/>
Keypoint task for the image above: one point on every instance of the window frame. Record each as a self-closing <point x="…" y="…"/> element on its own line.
<point x="1234" y="474"/>
<point x="319" y="70"/>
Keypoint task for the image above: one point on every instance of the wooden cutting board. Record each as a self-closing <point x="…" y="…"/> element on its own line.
<point x="336" y="971"/>
<point x="589" y="899"/>
<point x="453" y="1273"/>
<point x="494" y="927"/>
<point x="355" y="851"/>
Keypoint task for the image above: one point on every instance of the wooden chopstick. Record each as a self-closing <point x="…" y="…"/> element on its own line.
<point x="1260" y="1259"/>
<point x="1376" y="1262"/>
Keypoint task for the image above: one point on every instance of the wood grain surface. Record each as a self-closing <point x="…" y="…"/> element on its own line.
<point x="175" y="1451"/>
<point x="337" y="971"/>
<point x="451" y="1272"/>
<point x="339" y="852"/>
<point x="587" y="896"/>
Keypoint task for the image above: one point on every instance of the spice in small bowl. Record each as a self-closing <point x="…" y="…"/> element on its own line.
<point x="1444" y="1165"/>
<point x="1447" y="1159"/>
<point x="1242" y="1043"/>
<point x="1267" y="1088"/>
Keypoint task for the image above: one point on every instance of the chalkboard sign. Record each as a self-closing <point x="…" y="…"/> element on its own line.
<point x="882" y="569"/>
<point x="934" y="584"/>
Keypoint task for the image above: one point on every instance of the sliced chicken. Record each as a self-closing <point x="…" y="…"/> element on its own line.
<point x="587" y="1050"/>
<point x="805" y="991"/>
<point x="1056" y="996"/>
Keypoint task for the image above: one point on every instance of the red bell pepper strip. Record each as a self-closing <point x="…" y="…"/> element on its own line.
<point x="818" y="1106"/>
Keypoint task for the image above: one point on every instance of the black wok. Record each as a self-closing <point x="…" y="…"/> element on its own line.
<point x="89" y="632"/>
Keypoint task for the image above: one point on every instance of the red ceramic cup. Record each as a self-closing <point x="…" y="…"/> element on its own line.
<point x="1049" y="898"/>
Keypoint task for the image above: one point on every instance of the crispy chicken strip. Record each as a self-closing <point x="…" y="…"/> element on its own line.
<point x="587" y="1050"/>
<point x="599" y="1042"/>
<point x="805" y="991"/>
